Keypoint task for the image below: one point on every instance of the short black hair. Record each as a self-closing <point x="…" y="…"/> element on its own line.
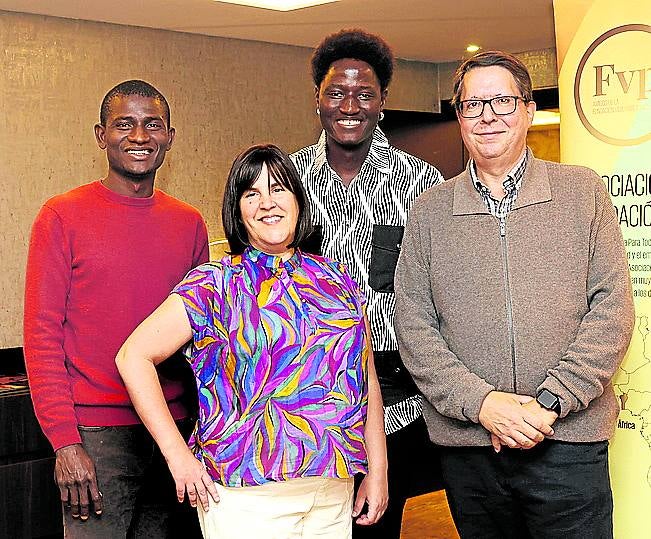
<point x="244" y="172"/>
<point x="358" y="44"/>
<point x="132" y="87"/>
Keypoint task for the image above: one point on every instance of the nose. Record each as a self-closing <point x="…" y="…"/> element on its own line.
<point x="349" y="105"/>
<point x="139" y="134"/>
<point x="487" y="115"/>
<point x="266" y="201"/>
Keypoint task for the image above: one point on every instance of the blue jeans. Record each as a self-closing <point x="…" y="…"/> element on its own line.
<point x="139" y="496"/>
<point x="555" y="490"/>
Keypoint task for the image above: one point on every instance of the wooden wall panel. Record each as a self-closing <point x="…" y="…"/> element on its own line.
<point x="429" y="137"/>
<point x="545" y="142"/>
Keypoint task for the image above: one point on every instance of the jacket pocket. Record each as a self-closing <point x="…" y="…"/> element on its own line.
<point x="385" y="249"/>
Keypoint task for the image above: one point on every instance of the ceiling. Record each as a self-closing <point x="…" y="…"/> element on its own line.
<point x="428" y="30"/>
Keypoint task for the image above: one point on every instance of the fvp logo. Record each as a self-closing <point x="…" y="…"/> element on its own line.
<point x="612" y="87"/>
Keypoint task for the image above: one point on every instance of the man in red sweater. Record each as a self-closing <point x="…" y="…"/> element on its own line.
<point x="101" y="258"/>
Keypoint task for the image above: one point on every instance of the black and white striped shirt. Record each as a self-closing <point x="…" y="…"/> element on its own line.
<point x="381" y="194"/>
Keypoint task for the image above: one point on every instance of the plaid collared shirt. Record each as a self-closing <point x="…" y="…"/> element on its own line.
<point x="501" y="208"/>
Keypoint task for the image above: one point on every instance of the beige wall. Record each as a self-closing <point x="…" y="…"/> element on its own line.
<point x="225" y="94"/>
<point x="415" y="87"/>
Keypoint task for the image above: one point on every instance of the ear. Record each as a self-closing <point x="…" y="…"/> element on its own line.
<point x="171" y="133"/>
<point x="100" y="136"/>
<point x="531" y="110"/>
<point x="383" y="100"/>
<point x="316" y="95"/>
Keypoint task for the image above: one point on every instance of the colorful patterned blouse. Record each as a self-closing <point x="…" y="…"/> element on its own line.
<point x="279" y="351"/>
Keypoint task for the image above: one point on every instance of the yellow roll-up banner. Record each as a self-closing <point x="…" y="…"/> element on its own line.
<point x="604" y="58"/>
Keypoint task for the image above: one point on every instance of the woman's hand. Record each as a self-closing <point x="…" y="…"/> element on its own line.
<point x="374" y="492"/>
<point x="154" y="340"/>
<point x="190" y="476"/>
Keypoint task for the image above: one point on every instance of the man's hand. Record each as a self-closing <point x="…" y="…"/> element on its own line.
<point x="513" y="421"/>
<point x="548" y="417"/>
<point x="74" y="473"/>
<point x="374" y="493"/>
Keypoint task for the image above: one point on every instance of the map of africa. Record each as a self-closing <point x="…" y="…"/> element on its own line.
<point x="630" y="449"/>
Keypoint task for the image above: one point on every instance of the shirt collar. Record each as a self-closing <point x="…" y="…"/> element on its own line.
<point x="378" y="153"/>
<point x="512" y="181"/>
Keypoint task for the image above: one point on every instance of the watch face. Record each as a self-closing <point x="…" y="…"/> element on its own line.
<point x="547" y="399"/>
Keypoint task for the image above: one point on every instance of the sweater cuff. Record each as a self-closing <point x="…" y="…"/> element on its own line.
<point x="473" y="400"/>
<point x="63" y="435"/>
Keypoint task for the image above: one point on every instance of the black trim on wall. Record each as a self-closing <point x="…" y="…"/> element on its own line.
<point x="546" y="98"/>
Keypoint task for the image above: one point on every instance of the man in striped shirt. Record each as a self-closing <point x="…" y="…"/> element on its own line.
<point x="361" y="190"/>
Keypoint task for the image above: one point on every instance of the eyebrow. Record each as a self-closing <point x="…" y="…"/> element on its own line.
<point x="275" y="183"/>
<point x="272" y="183"/>
<point x="134" y="119"/>
<point x="495" y="95"/>
<point x="343" y="83"/>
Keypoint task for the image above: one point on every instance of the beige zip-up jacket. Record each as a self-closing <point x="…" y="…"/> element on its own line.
<point x="546" y="305"/>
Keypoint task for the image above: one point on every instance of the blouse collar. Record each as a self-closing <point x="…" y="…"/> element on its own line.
<point x="274" y="262"/>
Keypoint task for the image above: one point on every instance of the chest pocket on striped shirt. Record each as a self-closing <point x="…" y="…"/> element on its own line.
<point x="385" y="249"/>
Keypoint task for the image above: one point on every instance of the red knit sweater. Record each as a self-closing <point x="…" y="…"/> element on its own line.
<point x="98" y="264"/>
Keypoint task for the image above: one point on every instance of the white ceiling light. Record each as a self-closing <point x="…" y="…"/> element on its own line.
<point x="279" y="5"/>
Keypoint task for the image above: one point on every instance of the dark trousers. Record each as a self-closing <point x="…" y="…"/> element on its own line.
<point x="555" y="490"/>
<point x="139" y="495"/>
<point x="413" y="470"/>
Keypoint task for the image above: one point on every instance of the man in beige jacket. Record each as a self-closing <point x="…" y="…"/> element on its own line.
<point x="513" y="311"/>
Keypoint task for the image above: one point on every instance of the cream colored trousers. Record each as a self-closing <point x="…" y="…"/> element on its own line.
<point x="319" y="507"/>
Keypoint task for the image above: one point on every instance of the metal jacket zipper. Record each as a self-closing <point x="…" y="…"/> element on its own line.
<point x="509" y="303"/>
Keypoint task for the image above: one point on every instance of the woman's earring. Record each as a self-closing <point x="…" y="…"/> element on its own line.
<point x="381" y="116"/>
<point x="318" y="112"/>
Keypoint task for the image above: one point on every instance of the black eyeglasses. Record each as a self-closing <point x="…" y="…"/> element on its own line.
<point x="500" y="105"/>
